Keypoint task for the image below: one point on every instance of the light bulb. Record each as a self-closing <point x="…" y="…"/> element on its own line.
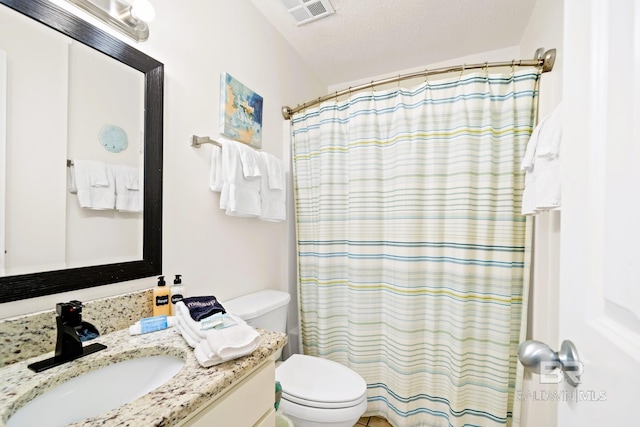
<point x="143" y="10"/>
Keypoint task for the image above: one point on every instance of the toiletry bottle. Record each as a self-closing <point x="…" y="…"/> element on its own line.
<point x="161" y="298"/>
<point x="177" y="293"/>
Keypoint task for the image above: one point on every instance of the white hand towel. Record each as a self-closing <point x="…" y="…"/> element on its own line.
<point x="542" y="188"/>
<point x="240" y="196"/>
<point x="275" y="171"/>
<point x="550" y="134"/>
<point x="95" y="184"/>
<point x="215" y="175"/>
<point x="272" y="201"/>
<point x="129" y="196"/>
<point x="250" y="161"/>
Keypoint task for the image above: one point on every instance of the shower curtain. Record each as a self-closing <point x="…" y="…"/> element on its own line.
<point x="411" y="248"/>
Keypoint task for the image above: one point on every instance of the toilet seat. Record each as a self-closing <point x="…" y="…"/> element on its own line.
<point x="320" y="383"/>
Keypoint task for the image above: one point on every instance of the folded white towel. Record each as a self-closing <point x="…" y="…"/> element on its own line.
<point x="129" y="195"/>
<point x="239" y="196"/>
<point x="214" y="346"/>
<point x="234" y="341"/>
<point x="275" y="171"/>
<point x="192" y="327"/>
<point x="180" y="327"/>
<point x="215" y="175"/>
<point x="272" y="200"/>
<point x="542" y="190"/>
<point x="94" y="184"/>
<point x="205" y="357"/>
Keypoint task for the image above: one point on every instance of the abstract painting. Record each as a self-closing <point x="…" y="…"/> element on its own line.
<point x="240" y="112"/>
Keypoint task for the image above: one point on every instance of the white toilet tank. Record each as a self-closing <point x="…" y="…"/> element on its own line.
<point x="263" y="309"/>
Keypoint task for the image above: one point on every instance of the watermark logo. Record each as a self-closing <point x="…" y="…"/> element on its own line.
<point x="562" y="396"/>
<point x="554" y="372"/>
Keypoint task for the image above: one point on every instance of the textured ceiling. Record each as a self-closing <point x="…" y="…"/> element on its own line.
<point x="367" y="38"/>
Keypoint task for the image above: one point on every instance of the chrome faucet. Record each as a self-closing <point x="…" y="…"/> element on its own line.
<point x="72" y="332"/>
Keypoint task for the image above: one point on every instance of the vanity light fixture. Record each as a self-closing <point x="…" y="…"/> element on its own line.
<point x="128" y="18"/>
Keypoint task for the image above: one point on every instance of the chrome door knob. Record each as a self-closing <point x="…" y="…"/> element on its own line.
<point x="539" y="358"/>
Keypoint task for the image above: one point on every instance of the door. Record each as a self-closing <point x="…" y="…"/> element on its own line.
<point x="600" y="228"/>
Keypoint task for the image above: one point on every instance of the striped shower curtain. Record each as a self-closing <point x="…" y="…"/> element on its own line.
<point x="411" y="246"/>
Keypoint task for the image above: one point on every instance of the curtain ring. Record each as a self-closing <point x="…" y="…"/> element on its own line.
<point x="464" y="67"/>
<point x="372" y="87"/>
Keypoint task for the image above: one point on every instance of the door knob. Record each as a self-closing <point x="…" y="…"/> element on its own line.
<point x="539" y="358"/>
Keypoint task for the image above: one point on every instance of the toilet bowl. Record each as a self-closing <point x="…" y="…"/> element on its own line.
<point x="316" y="392"/>
<point x="319" y="392"/>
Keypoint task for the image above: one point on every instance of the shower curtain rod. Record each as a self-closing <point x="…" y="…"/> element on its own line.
<point x="543" y="59"/>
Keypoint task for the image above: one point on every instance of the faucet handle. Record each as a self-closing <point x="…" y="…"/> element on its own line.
<point x="70" y="310"/>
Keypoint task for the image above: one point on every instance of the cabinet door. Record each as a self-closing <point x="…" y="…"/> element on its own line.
<point x="269" y="420"/>
<point x="244" y="405"/>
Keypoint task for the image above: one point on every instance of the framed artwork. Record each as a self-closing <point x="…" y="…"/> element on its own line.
<point x="240" y="112"/>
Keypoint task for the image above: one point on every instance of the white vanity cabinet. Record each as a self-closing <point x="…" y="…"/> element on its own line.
<point x="248" y="403"/>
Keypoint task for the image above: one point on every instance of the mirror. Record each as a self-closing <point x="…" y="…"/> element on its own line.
<point x="40" y="283"/>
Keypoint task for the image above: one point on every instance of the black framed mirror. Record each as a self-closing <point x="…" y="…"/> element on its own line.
<point x="31" y="285"/>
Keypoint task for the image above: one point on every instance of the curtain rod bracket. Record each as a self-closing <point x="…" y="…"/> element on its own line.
<point x="286" y="112"/>
<point x="548" y="60"/>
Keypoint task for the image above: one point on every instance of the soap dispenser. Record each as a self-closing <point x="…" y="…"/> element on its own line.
<point x="161" y="298"/>
<point x="177" y="293"/>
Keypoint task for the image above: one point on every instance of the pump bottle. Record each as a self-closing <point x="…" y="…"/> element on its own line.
<point x="177" y="293"/>
<point x="161" y="303"/>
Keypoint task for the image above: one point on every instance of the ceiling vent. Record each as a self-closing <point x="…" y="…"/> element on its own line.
<point x="305" y="11"/>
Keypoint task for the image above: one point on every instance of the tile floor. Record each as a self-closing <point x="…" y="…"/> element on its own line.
<point x="372" y="422"/>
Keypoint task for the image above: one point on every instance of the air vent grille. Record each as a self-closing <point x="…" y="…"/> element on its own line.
<point x="305" y="11"/>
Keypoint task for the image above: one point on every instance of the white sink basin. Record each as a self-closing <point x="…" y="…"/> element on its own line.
<point x="96" y="392"/>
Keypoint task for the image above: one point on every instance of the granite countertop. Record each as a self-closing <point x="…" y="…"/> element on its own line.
<point x="165" y="406"/>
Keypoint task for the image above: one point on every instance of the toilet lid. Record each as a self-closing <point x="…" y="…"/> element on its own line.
<point x="317" y="382"/>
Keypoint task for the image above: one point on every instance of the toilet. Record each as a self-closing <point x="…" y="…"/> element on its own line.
<point x="316" y="392"/>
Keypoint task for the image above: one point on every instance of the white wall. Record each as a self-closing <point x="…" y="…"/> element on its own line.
<point x="36" y="111"/>
<point x="215" y="253"/>
<point x="545" y="29"/>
